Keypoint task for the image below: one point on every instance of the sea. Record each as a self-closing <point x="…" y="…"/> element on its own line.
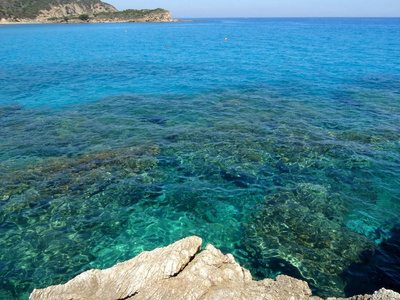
<point x="274" y="139"/>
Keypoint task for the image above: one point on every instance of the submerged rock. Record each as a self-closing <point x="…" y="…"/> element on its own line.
<point x="154" y="120"/>
<point x="305" y="227"/>
<point x="239" y="178"/>
<point x="8" y="110"/>
<point x="55" y="177"/>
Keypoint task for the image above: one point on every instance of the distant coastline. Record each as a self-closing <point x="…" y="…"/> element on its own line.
<point x="22" y="22"/>
<point x="77" y="11"/>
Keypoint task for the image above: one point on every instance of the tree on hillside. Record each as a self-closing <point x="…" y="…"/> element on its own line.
<point x="83" y="17"/>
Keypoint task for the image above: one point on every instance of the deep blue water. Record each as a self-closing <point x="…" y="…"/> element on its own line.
<point x="280" y="145"/>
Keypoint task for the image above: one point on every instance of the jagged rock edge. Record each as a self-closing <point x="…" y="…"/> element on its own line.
<point x="188" y="249"/>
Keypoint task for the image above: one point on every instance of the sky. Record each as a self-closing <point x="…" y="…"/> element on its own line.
<point x="268" y="8"/>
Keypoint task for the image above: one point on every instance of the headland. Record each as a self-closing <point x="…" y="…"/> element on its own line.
<point x="75" y="11"/>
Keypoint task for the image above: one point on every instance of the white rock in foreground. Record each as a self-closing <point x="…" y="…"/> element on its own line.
<point x="128" y="278"/>
<point x="181" y="271"/>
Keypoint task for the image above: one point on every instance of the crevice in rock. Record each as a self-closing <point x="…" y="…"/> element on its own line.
<point x="129" y="296"/>
<point x="184" y="266"/>
<point x="243" y="273"/>
<point x="207" y="279"/>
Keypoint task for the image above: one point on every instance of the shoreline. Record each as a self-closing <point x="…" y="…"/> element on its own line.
<point x="90" y="22"/>
<point x="128" y="16"/>
<point x="183" y="270"/>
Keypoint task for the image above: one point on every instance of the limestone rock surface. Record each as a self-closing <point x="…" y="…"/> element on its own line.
<point x="74" y="9"/>
<point x="176" y="272"/>
<point x="128" y="278"/>
<point x="212" y="275"/>
<point x="182" y="272"/>
<point x="384" y="294"/>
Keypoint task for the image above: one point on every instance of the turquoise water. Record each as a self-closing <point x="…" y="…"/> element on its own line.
<point x="280" y="145"/>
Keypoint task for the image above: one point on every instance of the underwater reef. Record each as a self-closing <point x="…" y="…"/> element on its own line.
<point x="304" y="226"/>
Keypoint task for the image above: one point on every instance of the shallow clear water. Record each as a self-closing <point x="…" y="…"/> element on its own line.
<point x="279" y="145"/>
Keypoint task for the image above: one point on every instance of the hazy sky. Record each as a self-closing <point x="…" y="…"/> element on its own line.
<point x="268" y="8"/>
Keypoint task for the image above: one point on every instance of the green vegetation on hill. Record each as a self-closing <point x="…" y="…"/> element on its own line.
<point x="29" y="9"/>
<point x="2" y="12"/>
<point x="128" y="14"/>
<point x="88" y="11"/>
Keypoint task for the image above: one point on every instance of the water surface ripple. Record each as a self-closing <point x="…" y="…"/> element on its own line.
<point x="280" y="145"/>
